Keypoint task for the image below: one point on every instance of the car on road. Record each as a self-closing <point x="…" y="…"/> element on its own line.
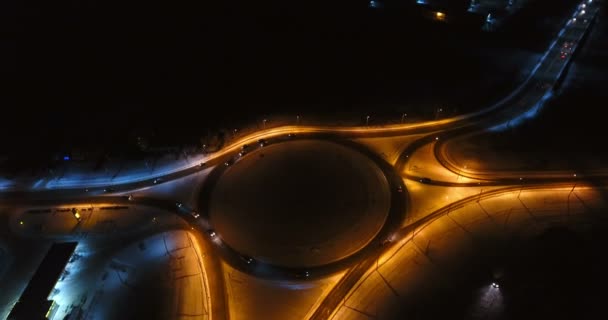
<point x="566" y="49"/>
<point x="179" y="204"/>
<point x="385" y="242"/>
<point x="211" y="233"/>
<point x="399" y="189"/>
<point x="194" y="214"/>
<point x="262" y="142"/>
<point x="108" y="189"/>
<point x="246" y="259"/>
<point x="228" y="163"/>
<point x="291" y="135"/>
<point x="200" y="165"/>
<point x="425" y="180"/>
<point x="157" y="180"/>
<point x="302" y="274"/>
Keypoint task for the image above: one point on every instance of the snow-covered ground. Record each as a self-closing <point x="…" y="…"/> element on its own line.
<point x="159" y="277"/>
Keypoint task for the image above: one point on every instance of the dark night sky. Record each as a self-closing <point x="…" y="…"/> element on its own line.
<point x="103" y="66"/>
<point x="95" y="71"/>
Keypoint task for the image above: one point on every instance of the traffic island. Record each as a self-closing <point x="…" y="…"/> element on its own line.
<point x="301" y="204"/>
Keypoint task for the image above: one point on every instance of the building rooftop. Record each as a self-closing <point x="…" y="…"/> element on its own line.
<point x="33" y="303"/>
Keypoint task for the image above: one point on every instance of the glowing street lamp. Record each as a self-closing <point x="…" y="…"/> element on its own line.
<point x="76" y="214"/>
<point x="437" y="112"/>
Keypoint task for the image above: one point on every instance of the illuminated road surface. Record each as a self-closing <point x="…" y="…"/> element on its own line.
<point x="434" y="252"/>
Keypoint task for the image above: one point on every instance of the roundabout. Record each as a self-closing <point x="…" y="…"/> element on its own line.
<point x="301" y="204"/>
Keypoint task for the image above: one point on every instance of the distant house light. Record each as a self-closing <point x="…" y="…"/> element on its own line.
<point x="66" y="158"/>
<point x="440" y="15"/>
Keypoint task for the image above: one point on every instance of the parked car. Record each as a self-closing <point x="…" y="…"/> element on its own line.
<point x="425" y="180"/>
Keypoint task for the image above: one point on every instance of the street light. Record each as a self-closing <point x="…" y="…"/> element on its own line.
<point x="76" y="214"/>
<point x="264" y="123"/>
<point x="437" y="112"/>
<point x="298" y="119"/>
<point x="403" y="117"/>
<point x="367" y="120"/>
<point x="459" y="171"/>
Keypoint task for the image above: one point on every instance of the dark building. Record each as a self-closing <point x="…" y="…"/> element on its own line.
<point x="33" y="303"/>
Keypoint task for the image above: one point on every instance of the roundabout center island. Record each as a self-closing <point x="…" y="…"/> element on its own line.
<point x="302" y="203"/>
